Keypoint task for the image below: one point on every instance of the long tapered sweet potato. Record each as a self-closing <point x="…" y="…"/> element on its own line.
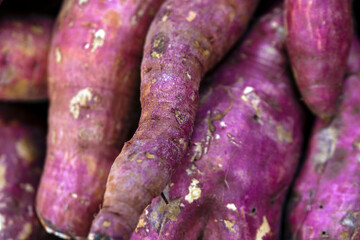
<point x="326" y="198"/>
<point x="244" y="149"/>
<point x="147" y="161"/>
<point x="24" y="47"/>
<point x="22" y="151"/>
<point x="318" y="41"/>
<point x="94" y="67"/>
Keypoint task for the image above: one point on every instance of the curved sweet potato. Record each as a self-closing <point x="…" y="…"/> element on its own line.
<point x="244" y="149"/>
<point x="185" y="40"/>
<point x="24" y="47"/>
<point x="94" y="68"/>
<point x="318" y="41"/>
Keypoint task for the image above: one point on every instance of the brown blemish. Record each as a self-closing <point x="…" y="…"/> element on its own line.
<point x="158" y="45"/>
<point x="106" y="223"/>
<point x="204" y="52"/>
<point x="26" y="150"/>
<point x="149" y="155"/>
<point x="283" y="135"/>
<point x="37" y="29"/>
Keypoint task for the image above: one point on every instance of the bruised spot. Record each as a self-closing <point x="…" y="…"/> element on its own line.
<point x="37" y="29"/>
<point x="26" y="150"/>
<point x="263" y="230"/>
<point x="229" y="225"/>
<point x="99" y="39"/>
<point x="158" y="45"/>
<point x="179" y="117"/>
<point x="191" y="16"/>
<point x="194" y="191"/>
<point x="283" y="135"/>
<point x="58" y="55"/>
<point x="80" y="100"/>
<point x="25" y="232"/>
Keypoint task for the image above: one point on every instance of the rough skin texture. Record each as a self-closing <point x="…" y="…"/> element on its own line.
<point x="244" y="149"/>
<point x="326" y="199"/>
<point x="94" y="67"/>
<point x="185" y="40"/>
<point x="318" y="42"/>
<point x="24" y="47"/>
<point x="22" y="151"/>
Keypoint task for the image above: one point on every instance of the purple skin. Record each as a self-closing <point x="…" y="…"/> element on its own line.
<point x="22" y="150"/>
<point x="244" y="149"/>
<point x="353" y="63"/>
<point x="24" y="48"/>
<point x="185" y="40"/>
<point x="94" y="65"/>
<point x="318" y="42"/>
<point x="326" y="198"/>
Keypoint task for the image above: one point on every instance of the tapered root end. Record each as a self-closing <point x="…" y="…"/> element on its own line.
<point x="52" y="229"/>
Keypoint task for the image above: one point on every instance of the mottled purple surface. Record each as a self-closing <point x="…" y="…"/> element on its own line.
<point x="24" y="48"/>
<point x="318" y="41"/>
<point x="22" y="150"/>
<point x="94" y="65"/>
<point x="185" y="40"/>
<point x="353" y="62"/>
<point x="326" y="199"/>
<point x="243" y="152"/>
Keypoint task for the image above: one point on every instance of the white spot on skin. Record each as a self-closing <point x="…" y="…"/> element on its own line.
<point x="80" y="100"/>
<point x="82" y="2"/>
<point x="222" y="124"/>
<point x="263" y="230"/>
<point x="58" y="55"/>
<point x="194" y="191"/>
<point x="231" y="206"/>
<point x="188" y="75"/>
<point x="74" y="195"/>
<point x="188" y="172"/>
<point x="27" y="187"/>
<point x="326" y="144"/>
<point x="274" y="24"/>
<point x="191" y="16"/>
<point x="248" y="90"/>
<point x="99" y="39"/>
<point x="252" y="98"/>
<point x="217" y="136"/>
<point x="182" y="205"/>
<point x="2" y="222"/>
<point x="220" y="165"/>
<point x="87" y="45"/>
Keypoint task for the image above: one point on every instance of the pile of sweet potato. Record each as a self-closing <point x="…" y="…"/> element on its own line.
<point x="179" y="119"/>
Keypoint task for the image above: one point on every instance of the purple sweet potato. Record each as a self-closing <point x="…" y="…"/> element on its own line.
<point x="94" y="68"/>
<point x="22" y="151"/>
<point x="185" y="40"/>
<point x="318" y="42"/>
<point x="326" y="198"/>
<point x="244" y="149"/>
<point x="24" y="47"/>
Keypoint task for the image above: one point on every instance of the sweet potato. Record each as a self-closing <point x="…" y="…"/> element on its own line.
<point x="22" y="152"/>
<point x="326" y="198"/>
<point x="318" y="41"/>
<point x="244" y="149"/>
<point x="94" y="68"/>
<point x="24" y="47"/>
<point x="353" y="62"/>
<point x="185" y="40"/>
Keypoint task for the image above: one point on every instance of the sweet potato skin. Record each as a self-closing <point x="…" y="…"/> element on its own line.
<point x="326" y="200"/>
<point x="185" y="40"/>
<point x="22" y="151"/>
<point x="318" y="42"/>
<point x="94" y="66"/>
<point x="24" y="47"/>
<point x="244" y="149"/>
